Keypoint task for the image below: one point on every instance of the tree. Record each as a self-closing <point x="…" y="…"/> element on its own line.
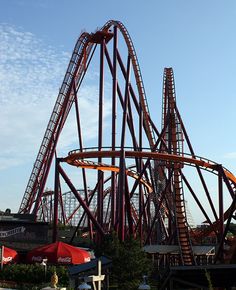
<point x="129" y="261"/>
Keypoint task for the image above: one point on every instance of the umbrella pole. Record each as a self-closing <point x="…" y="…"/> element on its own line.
<point x="2" y="255"/>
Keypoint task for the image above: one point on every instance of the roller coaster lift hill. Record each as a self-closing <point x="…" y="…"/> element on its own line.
<point x="140" y="181"/>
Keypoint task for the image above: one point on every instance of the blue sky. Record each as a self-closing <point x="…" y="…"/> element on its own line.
<point x="195" y="37"/>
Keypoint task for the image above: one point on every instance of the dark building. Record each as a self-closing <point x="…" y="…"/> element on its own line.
<point x="21" y="232"/>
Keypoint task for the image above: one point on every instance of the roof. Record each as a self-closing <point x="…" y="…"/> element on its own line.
<point x="185" y="276"/>
<point x="175" y="249"/>
<point x="92" y="265"/>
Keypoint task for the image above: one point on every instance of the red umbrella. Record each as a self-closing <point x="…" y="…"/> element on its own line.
<point x="9" y="255"/>
<point x="59" y="253"/>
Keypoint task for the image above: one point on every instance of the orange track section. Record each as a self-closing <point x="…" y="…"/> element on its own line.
<point x="102" y="166"/>
<point x="144" y="154"/>
<point x="76" y="159"/>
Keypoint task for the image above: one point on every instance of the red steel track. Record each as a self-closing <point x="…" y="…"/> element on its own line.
<point x="145" y="199"/>
<point x="202" y="162"/>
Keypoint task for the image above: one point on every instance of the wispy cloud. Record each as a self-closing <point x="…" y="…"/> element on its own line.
<point x="29" y="70"/>
<point x="31" y="73"/>
<point x="88" y="104"/>
<point x="230" y="155"/>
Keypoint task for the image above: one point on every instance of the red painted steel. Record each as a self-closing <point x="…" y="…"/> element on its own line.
<point x="136" y="190"/>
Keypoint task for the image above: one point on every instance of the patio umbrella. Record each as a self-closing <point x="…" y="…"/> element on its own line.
<point x="9" y="255"/>
<point x="59" y="253"/>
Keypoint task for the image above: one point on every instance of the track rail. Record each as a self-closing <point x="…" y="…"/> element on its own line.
<point x="74" y="74"/>
<point x="75" y="70"/>
<point x="186" y="159"/>
<point x="106" y="167"/>
<point x="158" y="183"/>
<point x="139" y="80"/>
<point x="173" y="138"/>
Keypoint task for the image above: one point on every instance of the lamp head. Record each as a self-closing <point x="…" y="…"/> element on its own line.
<point x="84" y="286"/>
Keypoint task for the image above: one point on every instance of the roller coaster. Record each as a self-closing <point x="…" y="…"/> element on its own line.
<point x="132" y="178"/>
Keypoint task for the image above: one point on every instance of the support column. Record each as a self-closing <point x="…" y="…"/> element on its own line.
<point x="79" y="131"/>
<point x="140" y="170"/>
<point x="121" y="192"/>
<point x="122" y="172"/>
<point x="221" y="208"/>
<point x="100" y="135"/>
<point x="56" y="195"/>
<point x="114" y="101"/>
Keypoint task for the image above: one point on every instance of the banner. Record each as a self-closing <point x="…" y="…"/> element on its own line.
<point x="5" y="234"/>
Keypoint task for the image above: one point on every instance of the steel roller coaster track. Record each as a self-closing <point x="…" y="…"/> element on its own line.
<point x="140" y="184"/>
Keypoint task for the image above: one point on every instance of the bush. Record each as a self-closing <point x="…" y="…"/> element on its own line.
<point x="31" y="276"/>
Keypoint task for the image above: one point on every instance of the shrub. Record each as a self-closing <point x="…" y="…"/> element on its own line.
<point x="25" y="275"/>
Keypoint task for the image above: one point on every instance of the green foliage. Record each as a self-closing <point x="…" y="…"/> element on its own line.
<point x="32" y="276"/>
<point x="232" y="228"/>
<point x="129" y="261"/>
<point x="208" y="276"/>
<point x="110" y="246"/>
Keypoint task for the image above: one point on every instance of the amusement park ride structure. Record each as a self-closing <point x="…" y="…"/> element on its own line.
<point x="140" y="183"/>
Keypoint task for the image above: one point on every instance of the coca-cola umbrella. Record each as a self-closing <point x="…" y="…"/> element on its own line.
<point x="9" y="255"/>
<point x="59" y="253"/>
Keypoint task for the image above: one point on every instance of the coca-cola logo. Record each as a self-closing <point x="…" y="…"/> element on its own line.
<point x="65" y="260"/>
<point x="7" y="259"/>
<point x="36" y="258"/>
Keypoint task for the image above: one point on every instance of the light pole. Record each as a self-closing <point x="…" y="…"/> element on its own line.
<point x="44" y="264"/>
<point x="144" y="285"/>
